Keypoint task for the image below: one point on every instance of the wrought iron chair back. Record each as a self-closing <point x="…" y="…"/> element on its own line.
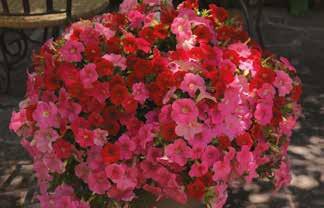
<point x="18" y="15"/>
<point x="6" y="10"/>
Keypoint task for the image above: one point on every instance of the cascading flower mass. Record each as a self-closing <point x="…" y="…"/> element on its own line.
<point x="179" y="103"/>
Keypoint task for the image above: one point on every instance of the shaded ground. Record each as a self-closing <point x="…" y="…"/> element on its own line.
<point x="299" y="38"/>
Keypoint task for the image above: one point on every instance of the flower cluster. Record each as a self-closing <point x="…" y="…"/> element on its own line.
<point x="179" y="103"/>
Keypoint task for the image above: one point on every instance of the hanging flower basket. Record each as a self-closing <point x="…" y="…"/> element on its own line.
<point x="172" y="103"/>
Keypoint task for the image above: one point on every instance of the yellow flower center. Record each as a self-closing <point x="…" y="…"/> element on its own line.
<point x="45" y="114"/>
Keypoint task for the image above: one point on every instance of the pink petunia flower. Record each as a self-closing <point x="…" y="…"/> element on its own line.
<point x="191" y="83"/>
<point x="117" y="60"/>
<point x="44" y="138"/>
<point x="129" y="179"/>
<point x="41" y="170"/>
<point x="152" y="2"/>
<point x="241" y="49"/>
<point x="260" y="157"/>
<point x="288" y="64"/>
<point x="178" y="152"/>
<point x="177" y="194"/>
<point x="246" y="163"/>
<point x="282" y="175"/>
<point x="266" y="92"/>
<point x="88" y="75"/>
<point x="136" y="19"/>
<point x="247" y="66"/>
<point x="105" y="31"/>
<point x="198" y="170"/>
<point x="54" y="164"/>
<point x="68" y="109"/>
<point x="222" y="169"/>
<point x="89" y="36"/>
<point x="188" y="131"/>
<point x="263" y="113"/>
<point x="165" y="114"/>
<point x="95" y="159"/>
<point x="18" y="119"/>
<point x="283" y="83"/>
<point x="140" y="92"/>
<point x="184" y="111"/>
<point x="127" y="147"/>
<point x="115" y="172"/>
<point x="197" y="152"/>
<point x="100" y="137"/>
<point x="127" y="5"/>
<point x="287" y="125"/>
<point x="121" y="195"/>
<point x="98" y="182"/>
<point x="46" y="115"/>
<point x="181" y="27"/>
<point x="202" y="138"/>
<point x="82" y="171"/>
<point x="210" y="155"/>
<point x="71" y="51"/>
<point x="221" y="196"/>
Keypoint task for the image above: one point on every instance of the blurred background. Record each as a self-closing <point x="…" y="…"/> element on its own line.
<point x="290" y="28"/>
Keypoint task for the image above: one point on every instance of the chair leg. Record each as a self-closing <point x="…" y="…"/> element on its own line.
<point x="45" y="34"/>
<point x="6" y="66"/>
<point x="246" y="16"/>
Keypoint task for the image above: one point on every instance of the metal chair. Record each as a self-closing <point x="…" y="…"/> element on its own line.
<point x="16" y="16"/>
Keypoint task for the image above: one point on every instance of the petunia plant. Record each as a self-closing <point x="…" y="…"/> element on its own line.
<point x="175" y="103"/>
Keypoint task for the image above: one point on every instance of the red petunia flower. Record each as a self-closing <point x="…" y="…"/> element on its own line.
<point x="95" y="120"/>
<point x="129" y="44"/>
<point x="263" y="75"/>
<point x="29" y="112"/>
<point x="114" y="45"/>
<point x="277" y="116"/>
<point x="202" y="32"/>
<point x="84" y="137"/>
<point x="207" y="179"/>
<point x="191" y="4"/>
<point x="92" y="52"/>
<point x="218" y="13"/>
<point x="129" y="104"/>
<point x="51" y="81"/>
<point x="104" y="67"/>
<point x="296" y="93"/>
<point x="167" y="131"/>
<point x="160" y="31"/>
<point x="256" y="131"/>
<point x="196" y="189"/>
<point x="118" y="94"/>
<point x="244" y="139"/>
<point x="62" y="149"/>
<point x="112" y="127"/>
<point x="110" y="153"/>
<point x="69" y="74"/>
<point x="168" y="14"/>
<point x="224" y="142"/>
<point x="232" y="56"/>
